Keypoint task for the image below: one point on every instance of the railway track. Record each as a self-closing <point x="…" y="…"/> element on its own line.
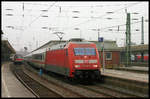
<point x="36" y="88"/>
<point x="60" y="81"/>
<point x="51" y="85"/>
<point x="131" y="87"/>
<point x="94" y="90"/>
<point x="102" y="88"/>
<point x="40" y="87"/>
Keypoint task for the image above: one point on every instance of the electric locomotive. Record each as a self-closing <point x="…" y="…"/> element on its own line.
<point x="76" y="58"/>
<point x="18" y="59"/>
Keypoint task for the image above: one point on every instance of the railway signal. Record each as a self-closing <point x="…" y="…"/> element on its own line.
<point x="100" y="39"/>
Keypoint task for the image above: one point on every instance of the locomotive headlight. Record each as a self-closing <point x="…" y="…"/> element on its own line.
<point x="76" y="66"/>
<point x="95" y="65"/>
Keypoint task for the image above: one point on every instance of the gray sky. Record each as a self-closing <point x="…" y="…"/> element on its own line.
<point x="28" y="30"/>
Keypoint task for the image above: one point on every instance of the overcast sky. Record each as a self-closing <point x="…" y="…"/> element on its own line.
<point x="27" y="31"/>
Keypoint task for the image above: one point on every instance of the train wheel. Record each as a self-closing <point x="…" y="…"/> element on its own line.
<point x="71" y="80"/>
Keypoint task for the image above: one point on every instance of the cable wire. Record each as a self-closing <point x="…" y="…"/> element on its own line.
<point x="101" y="16"/>
<point x="42" y="13"/>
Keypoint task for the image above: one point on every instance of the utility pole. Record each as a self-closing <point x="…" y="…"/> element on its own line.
<point x="142" y="39"/>
<point x="142" y="31"/>
<point x="128" y="40"/>
<point x="103" y="57"/>
<point x="102" y="40"/>
<point x="98" y="33"/>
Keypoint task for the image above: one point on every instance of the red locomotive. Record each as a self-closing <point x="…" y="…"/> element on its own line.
<point x="75" y="58"/>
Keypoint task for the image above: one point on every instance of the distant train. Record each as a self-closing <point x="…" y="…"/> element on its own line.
<point x="76" y="58"/>
<point x="139" y="58"/>
<point x="17" y="59"/>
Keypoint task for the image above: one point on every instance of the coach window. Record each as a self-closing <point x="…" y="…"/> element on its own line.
<point x="40" y="56"/>
<point x="108" y="55"/>
<point x="34" y="56"/>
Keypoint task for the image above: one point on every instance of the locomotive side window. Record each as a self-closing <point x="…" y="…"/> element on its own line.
<point x="84" y="51"/>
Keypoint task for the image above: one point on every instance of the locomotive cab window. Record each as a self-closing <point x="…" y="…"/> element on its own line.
<point x="84" y="51"/>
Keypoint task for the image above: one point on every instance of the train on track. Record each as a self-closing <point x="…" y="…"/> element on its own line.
<point x="76" y="58"/>
<point x="145" y="58"/>
<point x="17" y="59"/>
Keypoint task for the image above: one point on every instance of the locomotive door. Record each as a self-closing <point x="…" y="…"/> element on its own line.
<point x="45" y="58"/>
<point x="66" y="62"/>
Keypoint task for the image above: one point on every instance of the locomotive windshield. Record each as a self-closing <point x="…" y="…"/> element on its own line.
<point x="84" y="51"/>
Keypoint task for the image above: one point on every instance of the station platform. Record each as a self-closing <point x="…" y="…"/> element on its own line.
<point x="11" y="86"/>
<point x="138" y="69"/>
<point x="143" y="77"/>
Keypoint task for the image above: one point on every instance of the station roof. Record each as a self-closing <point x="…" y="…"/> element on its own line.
<point x="108" y="45"/>
<point x="143" y="47"/>
<point x="8" y="45"/>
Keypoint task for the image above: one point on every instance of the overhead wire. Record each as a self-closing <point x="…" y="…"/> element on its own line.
<point x="42" y="13"/>
<point x="99" y="5"/>
<point x="119" y="25"/>
<point x="100" y="16"/>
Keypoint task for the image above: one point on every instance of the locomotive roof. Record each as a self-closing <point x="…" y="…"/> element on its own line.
<point x="54" y="42"/>
<point x="57" y="46"/>
<point x="77" y="40"/>
<point x="52" y="45"/>
<point x="62" y="45"/>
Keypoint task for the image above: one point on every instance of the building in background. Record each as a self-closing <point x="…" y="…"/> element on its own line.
<point x="139" y="54"/>
<point x="6" y="50"/>
<point x="111" y="53"/>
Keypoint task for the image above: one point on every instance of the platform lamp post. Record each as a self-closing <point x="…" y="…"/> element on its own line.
<point x="97" y="32"/>
<point x="101" y="39"/>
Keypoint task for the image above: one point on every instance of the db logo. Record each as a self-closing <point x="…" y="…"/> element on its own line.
<point x="86" y="61"/>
